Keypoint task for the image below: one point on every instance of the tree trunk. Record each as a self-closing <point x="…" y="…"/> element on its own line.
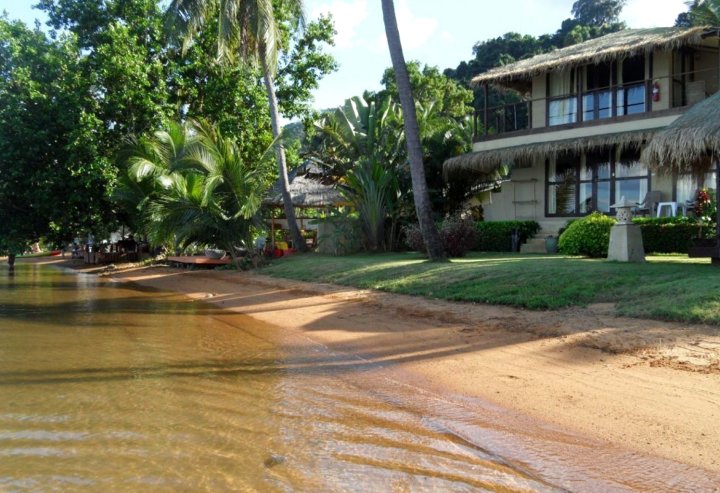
<point x="298" y="241"/>
<point x="430" y="234"/>
<point x="11" y="262"/>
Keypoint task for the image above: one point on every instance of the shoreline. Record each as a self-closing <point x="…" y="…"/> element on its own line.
<point x="640" y="385"/>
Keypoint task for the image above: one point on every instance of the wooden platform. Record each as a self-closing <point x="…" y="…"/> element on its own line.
<point x="199" y="260"/>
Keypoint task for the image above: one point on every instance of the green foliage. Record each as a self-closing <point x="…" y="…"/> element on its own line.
<point x="700" y="13"/>
<point x="496" y="236"/>
<point x="192" y="185"/>
<point x="302" y="67"/>
<point x="671" y="234"/>
<point x="51" y="183"/>
<point x="360" y="145"/>
<point x="588" y="236"/>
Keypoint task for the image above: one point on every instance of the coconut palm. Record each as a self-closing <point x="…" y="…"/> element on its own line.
<point x="704" y="12"/>
<point x="248" y="29"/>
<point x="423" y="208"/>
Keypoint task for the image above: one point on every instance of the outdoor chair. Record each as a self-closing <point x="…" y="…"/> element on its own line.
<point x="649" y="204"/>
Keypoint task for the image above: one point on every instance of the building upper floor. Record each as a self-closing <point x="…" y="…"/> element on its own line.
<point x="635" y="78"/>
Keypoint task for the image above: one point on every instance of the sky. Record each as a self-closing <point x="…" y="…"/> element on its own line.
<point x="440" y="33"/>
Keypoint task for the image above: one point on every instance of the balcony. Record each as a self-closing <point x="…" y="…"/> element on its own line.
<point x="614" y="103"/>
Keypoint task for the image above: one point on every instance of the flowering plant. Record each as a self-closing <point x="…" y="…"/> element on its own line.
<point x="705" y="205"/>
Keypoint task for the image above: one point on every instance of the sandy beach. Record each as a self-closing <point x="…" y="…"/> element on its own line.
<point x="640" y="385"/>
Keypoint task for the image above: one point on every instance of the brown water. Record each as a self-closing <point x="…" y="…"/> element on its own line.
<point x="108" y="387"/>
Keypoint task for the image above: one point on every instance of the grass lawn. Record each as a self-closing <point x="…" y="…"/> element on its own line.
<point x="666" y="287"/>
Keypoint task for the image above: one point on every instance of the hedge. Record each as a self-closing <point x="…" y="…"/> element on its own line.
<point x="496" y="236"/>
<point x="671" y="234"/>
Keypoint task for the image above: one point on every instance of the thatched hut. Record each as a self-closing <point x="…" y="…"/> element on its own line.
<point x="309" y="189"/>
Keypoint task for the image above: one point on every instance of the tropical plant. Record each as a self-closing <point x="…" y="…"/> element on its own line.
<point x="248" y="29"/>
<point x="701" y="13"/>
<point x="423" y="206"/>
<point x="360" y="145"/>
<point x="191" y="185"/>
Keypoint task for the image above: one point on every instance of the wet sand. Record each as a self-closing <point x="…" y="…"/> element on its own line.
<point x="638" y="385"/>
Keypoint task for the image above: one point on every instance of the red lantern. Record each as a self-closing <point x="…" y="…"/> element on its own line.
<point x="656" y="91"/>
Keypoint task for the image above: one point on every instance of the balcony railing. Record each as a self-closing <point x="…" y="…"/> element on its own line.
<point x="597" y="104"/>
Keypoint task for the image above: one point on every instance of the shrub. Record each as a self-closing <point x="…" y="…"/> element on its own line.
<point x="457" y="236"/>
<point x="495" y="236"/>
<point x="670" y="234"/>
<point x="413" y="238"/>
<point x="589" y="236"/>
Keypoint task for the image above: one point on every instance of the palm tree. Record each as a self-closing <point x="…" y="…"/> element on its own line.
<point x="704" y="12"/>
<point x="191" y="185"/>
<point x="247" y="28"/>
<point x="423" y="208"/>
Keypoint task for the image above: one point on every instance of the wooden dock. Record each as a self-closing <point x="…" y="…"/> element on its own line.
<point x="198" y="260"/>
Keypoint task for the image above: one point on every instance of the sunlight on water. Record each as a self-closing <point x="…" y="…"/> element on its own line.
<point x="106" y="387"/>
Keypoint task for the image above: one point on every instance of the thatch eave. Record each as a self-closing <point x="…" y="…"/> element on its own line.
<point x="690" y="142"/>
<point x="618" y="45"/>
<point x="487" y="162"/>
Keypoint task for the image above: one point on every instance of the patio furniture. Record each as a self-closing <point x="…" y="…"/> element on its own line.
<point x="649" y="203"/>
<point x="671" y="207"/>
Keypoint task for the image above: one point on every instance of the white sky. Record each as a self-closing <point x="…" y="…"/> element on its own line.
<point x="440" y="33"/>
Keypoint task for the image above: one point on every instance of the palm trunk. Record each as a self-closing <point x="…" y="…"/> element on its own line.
<point x="298" y="241"/>
<point x="430" y="234"/>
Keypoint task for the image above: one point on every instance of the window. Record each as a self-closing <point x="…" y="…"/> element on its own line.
<point x="562" y="185"/>
<point x="631" y="96"/>
<point x="562" y="104"/>
<point x="631" y="177"/>
<point x="686" y="186"/>
<point x="578" y="185"/>
<point x="597" y="101"/>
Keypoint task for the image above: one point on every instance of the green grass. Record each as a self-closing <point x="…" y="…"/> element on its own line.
<point x="667" y="287"/>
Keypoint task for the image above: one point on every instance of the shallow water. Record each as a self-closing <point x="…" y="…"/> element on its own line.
<point x="110" y="387"/>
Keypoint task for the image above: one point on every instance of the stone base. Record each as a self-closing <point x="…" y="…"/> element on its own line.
<point x="626" y="244"/>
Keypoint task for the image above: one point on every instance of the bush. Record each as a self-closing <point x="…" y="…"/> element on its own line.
<point x="589" y="236"/>
<point x="413" y="238"/>
<point x="495" y="236"/>
<point x="457" y="236"/>
<point x="671" y="234"/>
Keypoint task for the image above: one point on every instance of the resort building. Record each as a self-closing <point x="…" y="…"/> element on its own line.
<point x="573" y="141"/>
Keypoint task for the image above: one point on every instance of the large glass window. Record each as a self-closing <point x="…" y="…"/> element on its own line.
<point x="631" y="177"/>
<point x="580" y="185"/>
<point x="597" y="100"/>
<point x="562" y="105"/>
<point x="562" y="185"/>
<point x="686" y="186"/>
<point x="631" y="97"/>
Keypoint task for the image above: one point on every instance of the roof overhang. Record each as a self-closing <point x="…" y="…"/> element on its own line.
<point x="621" y="44"/>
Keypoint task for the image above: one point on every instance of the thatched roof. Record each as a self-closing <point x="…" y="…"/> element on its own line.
<point x="689" y="142"/>
<point x="306" y="189"/>
<point x="621" y="44"/>
<point x="489" y="161"/>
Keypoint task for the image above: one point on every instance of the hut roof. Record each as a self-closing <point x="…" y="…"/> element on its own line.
<point x="621" y="44"/>
<point x="306" y="189"/>
<point x="688" y="142"/>
<point x="488" y="161"/>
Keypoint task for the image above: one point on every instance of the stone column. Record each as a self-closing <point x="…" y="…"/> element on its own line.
<point x="626" y="243"/>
